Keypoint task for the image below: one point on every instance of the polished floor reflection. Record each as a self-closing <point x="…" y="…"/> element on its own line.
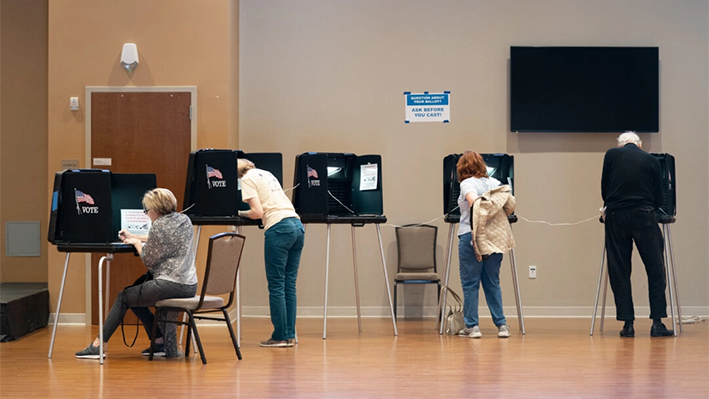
<point x="557" y="358"/>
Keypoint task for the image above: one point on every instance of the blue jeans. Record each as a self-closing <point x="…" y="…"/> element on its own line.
<point x="472" y="273"/>
<point x="282" y="248"/>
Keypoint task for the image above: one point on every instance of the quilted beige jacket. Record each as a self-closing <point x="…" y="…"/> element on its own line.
<point x="490" y="229"/>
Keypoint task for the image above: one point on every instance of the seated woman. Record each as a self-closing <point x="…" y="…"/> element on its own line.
<point x="168" y="254"/>
<point x="480" y="248"/>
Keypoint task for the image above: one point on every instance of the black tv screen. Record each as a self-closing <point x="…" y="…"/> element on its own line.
<point x="584" y="89"/>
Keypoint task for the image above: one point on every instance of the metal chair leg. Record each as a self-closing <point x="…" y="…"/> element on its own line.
<point x="199" y="342"/>
<point x="231" y="333"/>
<point x="395" y="286"/>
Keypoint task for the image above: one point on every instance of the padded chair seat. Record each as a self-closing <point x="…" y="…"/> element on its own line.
<point x="416" y="276"/>
<point x="210" y="302"/>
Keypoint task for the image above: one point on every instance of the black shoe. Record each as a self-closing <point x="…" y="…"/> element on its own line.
<point x="158" y="351"/>
<point x="627" y="332"/>
<point x="659" y="330"/>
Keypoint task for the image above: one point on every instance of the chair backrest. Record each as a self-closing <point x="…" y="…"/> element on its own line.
<point x="223" y="261"/>
<point x="416" y="245"/>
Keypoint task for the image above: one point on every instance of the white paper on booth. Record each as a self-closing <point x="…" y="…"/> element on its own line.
<point x="368" y="177"/>
<point x="135" y="221"/>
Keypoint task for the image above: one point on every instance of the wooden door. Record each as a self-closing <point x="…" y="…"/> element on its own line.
<point x="140" y="132"/>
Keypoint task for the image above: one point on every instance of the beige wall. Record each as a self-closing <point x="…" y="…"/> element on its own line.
<point x="23" y="127"/>
<point x="329" y="76"/>
<point x="180" y="43"/>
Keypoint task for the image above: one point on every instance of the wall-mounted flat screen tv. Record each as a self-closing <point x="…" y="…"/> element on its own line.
<point x="584" y="89"/>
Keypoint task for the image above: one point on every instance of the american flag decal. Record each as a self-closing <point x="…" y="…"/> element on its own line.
<point x="211" y="172"/>
<point x="312" y="173"/>
<point x="82" y="197"/>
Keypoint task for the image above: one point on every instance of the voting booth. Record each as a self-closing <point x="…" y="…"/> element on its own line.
<point x="338" y="184"/>
<point x="666" y="215"/>
<point x="499" y="166"/>
<point x="212" y="187"/>
<point x="341" y="188"/>
<point x="213" y="193"/>
<point x="86" y="215"/>
<point x="668" y="209"/>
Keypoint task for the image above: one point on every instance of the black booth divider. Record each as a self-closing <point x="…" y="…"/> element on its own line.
<point x="87" y="203"/>
<point x="500" y="166"/>
<point x="212" y="187"/>
<point x="668" y="208"/>
<point x="329" y="184"/>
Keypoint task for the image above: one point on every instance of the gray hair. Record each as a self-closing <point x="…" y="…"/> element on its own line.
<point x="629" y="137"/>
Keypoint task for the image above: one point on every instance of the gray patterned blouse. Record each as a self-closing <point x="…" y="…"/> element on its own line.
<point x="169" y="251"/>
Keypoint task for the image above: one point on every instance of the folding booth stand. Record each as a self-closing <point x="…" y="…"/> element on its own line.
<point x="666" y="217"/>
<point x="85" y="218"/>
<point x="501" y="167"/>
<point x="213" y="196"/>
<point x="341" y="188"/>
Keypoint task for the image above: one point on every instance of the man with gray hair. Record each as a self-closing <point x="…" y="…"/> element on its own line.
<point x="631" y="187"/>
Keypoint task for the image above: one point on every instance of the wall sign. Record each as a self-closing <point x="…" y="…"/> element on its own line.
<point x="427" y="107"/>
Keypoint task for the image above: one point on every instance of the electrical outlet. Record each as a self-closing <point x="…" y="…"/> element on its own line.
<point x="532" y="272"/>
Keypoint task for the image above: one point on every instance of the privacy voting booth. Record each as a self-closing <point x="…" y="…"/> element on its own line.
<point x="666" y="215"/>
<point x="213" y="193"/>
<point x="86" y="217"/>
<point x="341" y="188"/>
<point x="499" y="166"/>
<point x="212" y="190"/>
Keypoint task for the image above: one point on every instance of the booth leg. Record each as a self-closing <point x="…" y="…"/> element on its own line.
<point x="327" y="271"/>
<point x="669" y="280"/>
<point x="386" y="280"/>
<point x="674" y="276"/>
<point x="238" y="299"/>
<point x="108" y="285"/>
<point x="444" y="293"/>
<point x="59" y="305"/>
<point x="598" y="290"/>
<point x="603" y="305"/>
<point x="356" y="279"/>
<point x="100" y="305"/>
<point x="518" y="300"/>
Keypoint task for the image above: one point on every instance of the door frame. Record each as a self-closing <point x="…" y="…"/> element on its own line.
<point x="128" y="89"/>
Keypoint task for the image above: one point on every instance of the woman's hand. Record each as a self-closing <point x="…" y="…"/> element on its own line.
<point x="134" y="242"/>
<point x="123" y="234"/>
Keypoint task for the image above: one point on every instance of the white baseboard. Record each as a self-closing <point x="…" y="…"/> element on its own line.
<point x="77" y="319"/>
<point x="427" y="312"/>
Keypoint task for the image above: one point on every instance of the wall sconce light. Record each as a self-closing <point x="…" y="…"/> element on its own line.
<point x="129" y="56"/>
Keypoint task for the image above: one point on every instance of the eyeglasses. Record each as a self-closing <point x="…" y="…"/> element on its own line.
<point x="145" y="211"/>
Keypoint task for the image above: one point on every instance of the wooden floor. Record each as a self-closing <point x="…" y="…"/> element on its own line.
<point x="557" y="358"/>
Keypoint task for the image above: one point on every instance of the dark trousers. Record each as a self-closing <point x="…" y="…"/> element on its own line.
<point x="138" y="297"/>
<point x="622" y="228"/>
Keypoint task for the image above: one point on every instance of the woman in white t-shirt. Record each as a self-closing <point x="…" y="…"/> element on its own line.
<point x="283" y="244"/>
<point x="474" y="182"/>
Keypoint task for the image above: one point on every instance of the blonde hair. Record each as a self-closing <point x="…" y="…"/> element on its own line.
<point x="243" y="166"/>
<point x="629" y="137"/>
<point x="161" y="200"/>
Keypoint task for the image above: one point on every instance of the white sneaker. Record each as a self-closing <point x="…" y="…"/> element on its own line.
<point x="473" y="332"/>
<point x="503" y="331"/>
